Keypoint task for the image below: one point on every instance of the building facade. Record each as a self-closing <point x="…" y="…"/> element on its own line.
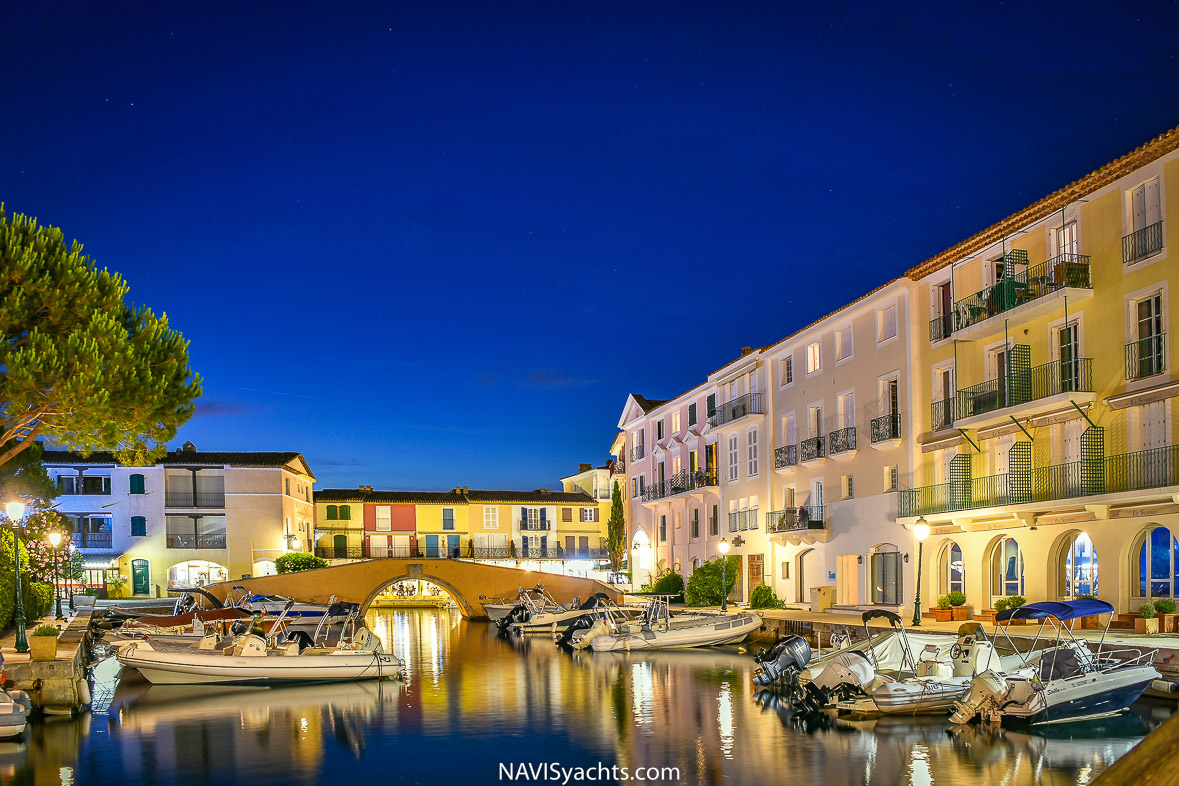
<point x="192" y="518"/>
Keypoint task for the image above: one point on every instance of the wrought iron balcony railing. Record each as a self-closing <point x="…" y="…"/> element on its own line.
<point x="537" y="526"/>
<point x="941" y="327"/>
<point x="1146" y="357"/>
<point x="340" y="552"/>
<point x="749" y="404"/>
<point x="1021" y="387"/>
<point x="638" y="451"/>
<point x="942" y="414"/>
<point x="742" y="520"/>
<point x="191" y="541"/>
<point x="201" y="499"/>
<point x="841" y="440"/>
<point x="1142" y="243"/>
<point x="92" y="540"/>
<point x="811" y="449"/>
<point x="1033" y="283"/>
<point x="786" y="456"/>
<point x="680" y="482"/>
<point x="886" y="427"/>
<point x="803" y="517"/>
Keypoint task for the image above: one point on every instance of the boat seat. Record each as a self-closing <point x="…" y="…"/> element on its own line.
<point x="1059" y="664"/>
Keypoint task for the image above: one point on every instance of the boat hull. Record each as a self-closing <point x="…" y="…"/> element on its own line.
<point x="697" y="634"/>
<point x="213" y="668"/>
<point x="1082" y="697"/>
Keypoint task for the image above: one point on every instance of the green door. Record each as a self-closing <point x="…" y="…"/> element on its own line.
<point x="140" y="576"/>
<point x="340" y="542"/>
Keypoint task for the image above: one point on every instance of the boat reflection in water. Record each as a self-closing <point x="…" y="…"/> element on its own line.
<point x="474" y="700"/>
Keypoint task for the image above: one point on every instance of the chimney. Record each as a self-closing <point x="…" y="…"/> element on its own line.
<point x="188" y="447"/>
<point x="745" y="351"/>
<point x="584" y="467"/>
<point x="466" y="489"/>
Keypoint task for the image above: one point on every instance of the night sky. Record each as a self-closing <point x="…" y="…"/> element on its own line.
<point x="437" y="244"/>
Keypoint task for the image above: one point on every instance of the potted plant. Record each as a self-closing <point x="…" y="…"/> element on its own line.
<point x="1165" y="608"/>
<point x="43" y="643"/>
<point x="1011" y="602"/>
<point x="1146" y="621"/>
<point x="942" y="613"/>
<point x="958" y="610"/>
<point x="116" y="584"/>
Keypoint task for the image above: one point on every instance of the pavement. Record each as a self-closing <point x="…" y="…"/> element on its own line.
<point x="73" y="629"/>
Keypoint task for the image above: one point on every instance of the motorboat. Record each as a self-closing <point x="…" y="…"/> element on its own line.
<point x="15" y="707"/>
<point x="659" y="630"/>
<point x="275" y="604"/>
<point x="550" y="620"/>
<point x="1068" y="681"/>
<point x="529" y="602"/>
<point x="256" y="659"/>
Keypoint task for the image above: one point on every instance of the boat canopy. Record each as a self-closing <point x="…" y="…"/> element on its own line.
<point x="1060" y="609"/>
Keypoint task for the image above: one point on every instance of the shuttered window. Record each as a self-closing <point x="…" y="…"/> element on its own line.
<point x="137" y="484"/>
<point x="139" y="525"/>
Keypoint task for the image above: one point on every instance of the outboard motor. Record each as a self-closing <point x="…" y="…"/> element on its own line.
<point x="365" y="640"/>
<point x="518" y="614"/>
<point x="782" y="662"/>
<point x="846" y="675"/>
<point x="584" y="622"/>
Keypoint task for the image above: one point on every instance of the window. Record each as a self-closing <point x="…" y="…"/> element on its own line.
<point x="695" y="523"/>
<point x="84" y="484"/>
<point x="886" y="575"/>
<point x="1157" y="559"/>
<point x="345" y="513"/>
<point x="138" y="526"/>
<point x="1078" y="569"/>
<point x="950" y="569"/>
<point x="490" y="517"/>
<point x="634" y="487"/>
<point x="788" y="370"/>
<point x="675" y="423"/>
<point x="813" y="361"/>
<point x="785" y="570"/>
<point x="659" y="430"/>
<point x="891" y="478"/>
<point x="692" y="414"/>
<point x="1146" y="356"/>
<point x="848" y="485"/>
<point x="448" y="518"/>
<point x="732" y="458"/>
<point x="589" y="514"/>
<point x="288" y="486"/>
<point x="751" y="450"/>
<point x="886" y="322"/>
<point x="1007" y="568"/>
<point x="815" y="420"/>
<point x="384" y="518"/>
<point x="1146" y="236"/>
<point x="662" y="528"/>
<point x="710" y="404"/>
<point x="843" y="343"/>
<point x="1063" y="240"/>
<point x="567" y="514"/>
<point x="845" y="410"/>
<point x="332" y="513"/>
<point x="137" y="484"/>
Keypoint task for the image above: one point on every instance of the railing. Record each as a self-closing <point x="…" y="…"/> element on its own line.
<point x="684" y="480"/>
<point x="619" y="465"/>
<point x="638" y="451"/>
<point x="191" y="541"/>
<point x="537" y="526"/>
<point x="202" y="499"/>
<point x="1021" y="387"/>
<point x="92" y="540"/>
<point x="599" y="494"/>
<point x="841" y="440"/>
<point x="804" y="517"/>
<point x="1066" y="270"/>
<point x="339" y="524"/>
<point x="1143" y="469"/>
<point x="941" y="327"/>
<point x="345" y="552"/>
<point x="742" y="520"/>
<point x="786" y="456"/>
<point x="811" y="449"/>
<point x="886" y="427"/>
<point x="1146" y="357"/>
<point x="942" y="414"/>
<point x="1142" y="243"/>
<point x="549" y="552"/>
<point x="494" y="552"/>
<point x="749" y="404"/>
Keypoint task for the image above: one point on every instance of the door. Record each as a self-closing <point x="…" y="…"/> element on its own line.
<point x="1150" y="342"/>
<point x="756" y="567"/>
<point x="886" y="578"/>
<point x="340" y="546"/>
<point x="847" y="582"/>
<point x="432" y="546"/>
<point x="570" y="544"/>
<point x="1001" y="374"/>
<point x="140" y="576"/>
<point x="452" y="546"/>
<point x="1070" y="366"/>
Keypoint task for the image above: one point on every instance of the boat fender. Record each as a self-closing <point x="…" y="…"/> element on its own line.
<point x="1164" y="686"/>
<point x="84" y="693"/>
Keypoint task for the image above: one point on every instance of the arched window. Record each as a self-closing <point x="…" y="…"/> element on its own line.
<point x="345" y="513"/>
<point x="331" y="513"/>
<point x="1158" y="558"/>
<point x="1007" y="568"/>
<point x="951" y="572"/>
<point x="1078" y="566"/>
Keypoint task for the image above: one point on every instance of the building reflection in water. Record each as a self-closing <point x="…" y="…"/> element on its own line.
<point x="474" y="700"/>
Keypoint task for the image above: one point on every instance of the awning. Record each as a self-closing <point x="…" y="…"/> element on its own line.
<point x="1061" y="610"/>
<point x="100" y="561"/>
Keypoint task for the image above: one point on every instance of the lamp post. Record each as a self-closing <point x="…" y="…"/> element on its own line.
<point x="55" y="541"/>
<point x="16" y="512"/>
<point x="723" y="548"/>
<point x="921" y="532"/>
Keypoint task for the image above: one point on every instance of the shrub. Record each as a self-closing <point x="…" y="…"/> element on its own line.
<point x="38" y="598"/>
<point x="1085" y="597"/>
<point x="1001" y="604"/>
<point x="957" y="598"/>
<point x="298" y="560"/>
<point x="1015" y="601"/>
<point x="1164" y="606"/>
<point x="764" y="597"/>
<point x="46" y="630"/>
<point x="669" y="583"/>
<point x="704" y="585"/>
<point x="943" y="602"/>
<point x="1146" y="610"/>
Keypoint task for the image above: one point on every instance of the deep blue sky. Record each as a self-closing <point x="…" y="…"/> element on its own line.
<point x="436" y="244"/>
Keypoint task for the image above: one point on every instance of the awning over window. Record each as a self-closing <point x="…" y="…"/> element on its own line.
<point x="100" y="561"/>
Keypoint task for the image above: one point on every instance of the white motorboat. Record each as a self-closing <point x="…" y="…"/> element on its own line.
<point x="1068" y="681"/>
<point x="276" y="604"/>
<point x="659" y="630"/>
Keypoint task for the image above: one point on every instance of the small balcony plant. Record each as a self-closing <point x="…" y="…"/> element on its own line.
<point x="1146" y="621"/>
<point x="43" y="643"/>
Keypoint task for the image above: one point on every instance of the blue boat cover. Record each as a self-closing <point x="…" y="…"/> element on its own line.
<point x="1060" y="609"/>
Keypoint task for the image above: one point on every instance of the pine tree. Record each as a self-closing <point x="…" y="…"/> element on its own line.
<point x="616" y="529"/>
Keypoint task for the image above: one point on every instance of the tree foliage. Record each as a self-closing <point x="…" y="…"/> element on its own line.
<point x="77" y="364"/>
<point x="704" y="585"/>
<point x="43" y="558"/>
<point x="616" y="529"/>
<point x="298" y="560"/>
<point x="764" y="597"/>
<point x="24" y="476"/>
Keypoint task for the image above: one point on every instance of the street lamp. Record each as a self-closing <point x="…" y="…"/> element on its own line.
<point x="55" y="541"/>
<point x="16" y="512"/>
<point x="921" y="532"/>
<point x="723" y="548"/>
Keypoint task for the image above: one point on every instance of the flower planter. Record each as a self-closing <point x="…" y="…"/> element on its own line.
<point x="1091" y="623"/>
<point x="43" y="648"/>
<point x="1166" y="622"/>
<point x="960" y="613"/>
<point x="941" y="615"/>
<point x="1144" y="625"/>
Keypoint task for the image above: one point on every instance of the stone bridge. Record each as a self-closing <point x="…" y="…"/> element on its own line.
<point x="360" y="582"/>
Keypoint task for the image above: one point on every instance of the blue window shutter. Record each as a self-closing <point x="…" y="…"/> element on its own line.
<point x="138" y="526"/>
<point x="544" y="542"/>
<point x="542" y="517"/>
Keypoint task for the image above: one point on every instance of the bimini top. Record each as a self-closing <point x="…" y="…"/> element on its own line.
<point x="1060" y="609"/>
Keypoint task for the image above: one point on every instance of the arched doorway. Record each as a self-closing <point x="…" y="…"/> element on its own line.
<point x="805" y="565"/>
<point x="264" y="567"/>
<point x="885" y="575"/>
<point x="951" y="570"/>
<point x="1006" y="568"/>
<point x="140" y="577"/>
<point x="641" y="558"/>
<point x="1075" y="566"/>
<point x="1155" y="559"/>
<point x="196" y="573"/>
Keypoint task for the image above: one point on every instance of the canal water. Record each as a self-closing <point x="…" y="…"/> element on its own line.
<point x="476" y="707"/>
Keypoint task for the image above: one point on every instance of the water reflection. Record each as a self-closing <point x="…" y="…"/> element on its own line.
<point x="474" y="700"/>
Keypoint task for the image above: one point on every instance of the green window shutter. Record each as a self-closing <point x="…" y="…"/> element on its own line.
<point x="345" y="513"/>
<point x="331" y="513"/>
<point x="137" y="484"/>
<point x="106" y="485"/>
<point x="139" y="526"/>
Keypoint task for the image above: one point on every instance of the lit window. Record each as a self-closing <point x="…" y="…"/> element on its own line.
<point x="843" y="344"/>
<point x="813" y="361"/>
<point x="886" y="324"/>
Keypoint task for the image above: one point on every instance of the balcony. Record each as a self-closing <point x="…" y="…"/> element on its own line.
<point x="800" y="519"/>
<point x="1138" y="471"/>
<point x="535" y="526"/>
<point x="1023" y="387"/>
<point x="201" y="499"/>
<point x="1146" y="357"/>
<point x="812" y="449"/>
<point x="942" y="414"/>
<point x="786" y="457"/>
<point x="886" y="428"/>
<point x="341" y="552"/>
<point x="841" y="443"/>
<point x="742" y="520"/>
<point x="749" y="404"/>
<point x="1029" y="286"/>
<point x="680" y="483"/>
<point x="191" y="541"/>
<point x="92" y="540"/>
<point x="1142" y="243"/>
<point x="638" y="451"/>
